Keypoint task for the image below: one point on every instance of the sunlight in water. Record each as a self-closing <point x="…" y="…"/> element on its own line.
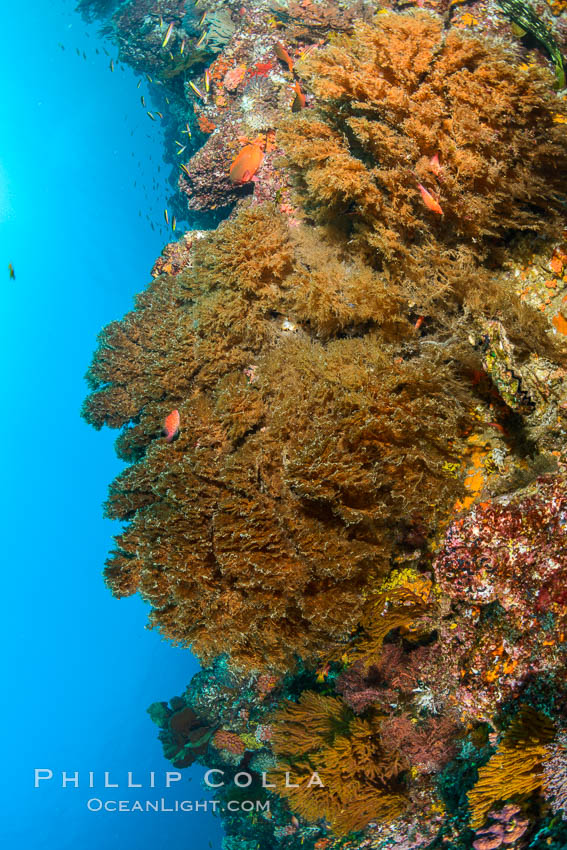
<point x="5" y="201"/>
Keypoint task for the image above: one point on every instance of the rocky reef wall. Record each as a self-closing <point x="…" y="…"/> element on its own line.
<point x="342" y="404"/>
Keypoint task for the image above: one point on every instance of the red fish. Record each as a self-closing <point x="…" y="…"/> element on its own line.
<point x="429" y="200"/>
<point x="171" y="425"/>
<point x="246" y="164"/>
<point x="284" y="56"/>
<point x="299" y="100"/>
<point x="434" y="164"/>
<point x="260" y="69"/>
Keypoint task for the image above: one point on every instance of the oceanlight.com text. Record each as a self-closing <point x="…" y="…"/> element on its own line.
<point x="95" y="804"/>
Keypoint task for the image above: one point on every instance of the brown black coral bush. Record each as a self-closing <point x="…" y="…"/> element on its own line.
<point x="401" y="103"/>
<point x="303" y="457"/>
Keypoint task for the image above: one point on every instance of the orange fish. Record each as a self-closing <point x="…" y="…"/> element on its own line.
<point x="171" y="425"/>
<point x="429" y="200"/>
<point x="246" y="164"/>
<point x="434" y="164"/>
<point x="284" y="56"/>
<point x="498" y="427"/>
<point x="299" y="100"/>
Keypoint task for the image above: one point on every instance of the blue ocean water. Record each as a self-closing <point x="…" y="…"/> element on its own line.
<point x="79" y="669"/>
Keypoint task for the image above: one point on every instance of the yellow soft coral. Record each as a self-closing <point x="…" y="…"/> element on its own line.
<point x="516" y="766"/>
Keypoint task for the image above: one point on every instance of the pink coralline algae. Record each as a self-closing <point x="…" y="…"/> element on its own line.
<point x="205" y="180"/>
<point x="230" y="741"/>
<point x="362" y="688"/>
<point x="234" y="77"/>
<point x="266" y="681"/>
<point x="507" y="549"/>
<point x="508" y="827"/>
<point x="555" y="769"/>
<point x="427" y="745"/>
<point x="400" y="677"/>
<point x="264" y="732"/>
<point x="511" y="553"/>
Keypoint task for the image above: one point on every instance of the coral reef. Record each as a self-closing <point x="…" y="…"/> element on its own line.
<point x="319" y="734"/>
<point x="555" y="774"/>
<point x="505" y="830"/>
<point x="516" y="767"/>
<point x="357" y="519"/>
<point x="401" y="105"/>
<point x="348" y="445"/>
<point x="524" y="17"/>
<point x="507" y="559"/>
<point x="184" y="735"/>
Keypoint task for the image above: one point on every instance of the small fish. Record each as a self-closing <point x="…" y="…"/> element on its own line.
<point x="173" y="223"/>
<point x="62" y="46"/>
<point x="429" y="200"/>
<point x="434" y="164"/>
<point x="167" y="101"/>
<point x="524" y="17"/>
<point x="171" y="56"/>
<point x="160" y="22"/>
<point x="196" y="90"/>
<point x="207" y="81"/>
<point x="299" y="100"/>
<point x="186" y="170"/>
<point x="139" y="84"/>
<point x="159" y="113"/>
<point x="78" y="51"/>
<point x="203" y="18"/>
<point x="201" y="40"/>
<point x="12" y="272"/>
<point x="106" y="51"/>
<point x="182" y="46"/>
<point x="284" y="56"/>
<point x="517" y="30"/>
<point x="261" y="69"/>
<point x="166" y="216"/>
<point x="294" y="821"/>
<point x="111" y="66"/>
<point x="84" y="55"/>
<point x="180" y="151"/>
<point x="148" y="78"/>
<point x="97" y="51"/>
<point x="246" y="164"/>
<point x="152" y="116"/>
<point x="143" y="101"/>
<point x="171" y="425"/>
